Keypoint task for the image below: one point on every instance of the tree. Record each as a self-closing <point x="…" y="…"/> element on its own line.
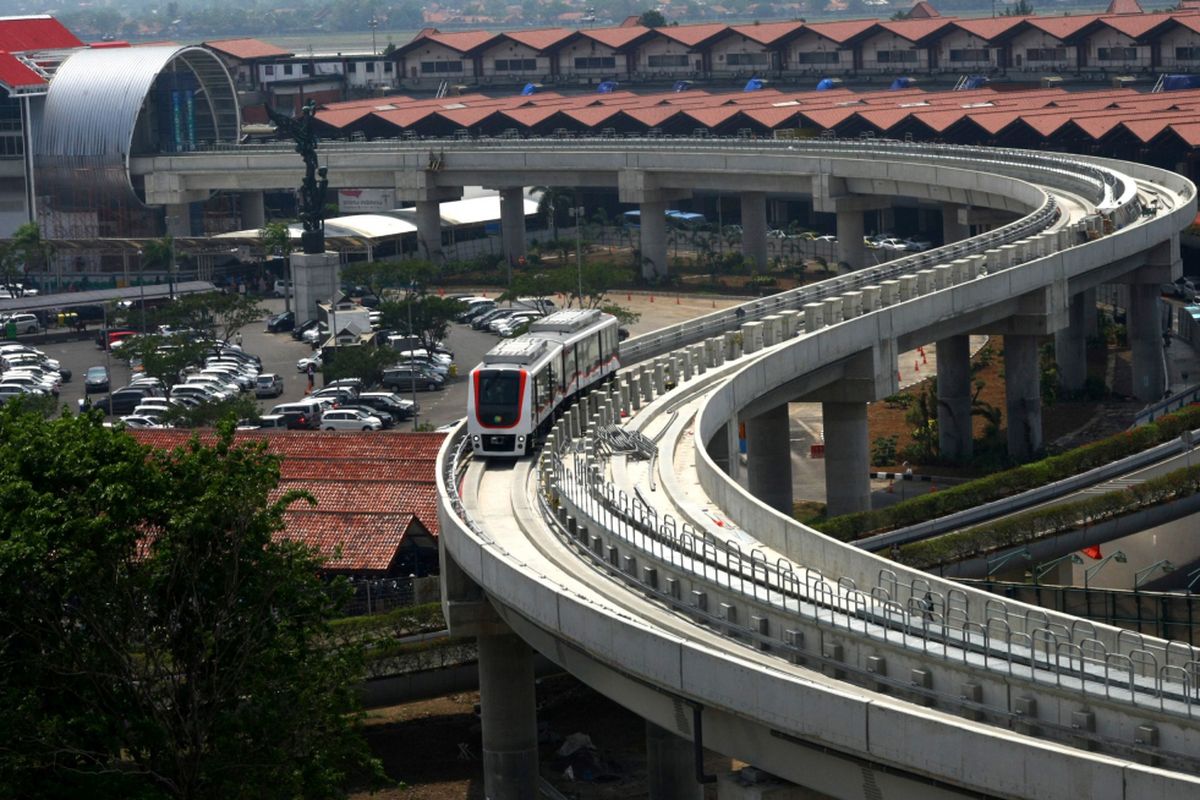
<point x="28" y="246"/>
<point x="431" y="316"/>
<point x="381" y="277"/>
<point x="218" y="314"/>
<point x="160" y="254"/>
<point x="364" y="362"/>
<point x="553" y="202"/>
<point x="164" y="356"/>
<point x="207" y="415"/>
<point x="1021" y="8"/>
<point x="276" y="239"/>
<point x="159" y="639"/>
<point x="652" y="18"/>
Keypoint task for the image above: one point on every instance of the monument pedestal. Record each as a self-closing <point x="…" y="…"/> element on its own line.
<point x="316" y="279"/>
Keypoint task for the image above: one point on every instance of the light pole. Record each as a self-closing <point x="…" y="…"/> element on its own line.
<point x="1092" y="571"/>
<point x="1041" y="569"/>
<point x="142" y="288"/>
<point x="1141" y="575"/>
<point x="412" y="372"/>
<point x="577" y="212"/>
<point x="994" y="564"/>
<point x="373" y="24"/>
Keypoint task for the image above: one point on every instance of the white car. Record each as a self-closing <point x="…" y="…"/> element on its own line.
<point x="34" y="382"/>
<point x="142" y="421"/>
<point x="24" y="323"/>
<point x="892" y="243"/>
<point x="915" y="245"/>
<point x="349" y="419"/>
<point x="314" y="359"/>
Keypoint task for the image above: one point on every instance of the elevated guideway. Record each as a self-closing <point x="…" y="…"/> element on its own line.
<point x="674" y="590"/>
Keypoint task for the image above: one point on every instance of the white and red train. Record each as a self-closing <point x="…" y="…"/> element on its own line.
<point x="522" y="382"/>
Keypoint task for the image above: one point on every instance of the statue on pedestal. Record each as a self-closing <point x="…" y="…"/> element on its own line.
<point x="315" y="183"/>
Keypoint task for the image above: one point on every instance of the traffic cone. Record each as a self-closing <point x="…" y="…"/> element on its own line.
<point x="932" y="488"/>
<point x="628" y="296"/>
<point x="651" y="298"/>
<point x="916" y="366"/>
<point x="891" y="487"/>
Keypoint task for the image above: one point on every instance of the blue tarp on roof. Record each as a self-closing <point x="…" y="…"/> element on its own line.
<point x="529" y="89"/>
<point x="753" y="85"/>
<point x="1176" y="82"/>
<point x="900" y="83"/>
<point x="607" y="87"/>
<point x="824" y="84"/>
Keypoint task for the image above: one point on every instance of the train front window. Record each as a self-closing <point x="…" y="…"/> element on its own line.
<point x="499" y="397"/>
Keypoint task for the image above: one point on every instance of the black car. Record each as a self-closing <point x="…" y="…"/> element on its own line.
<point x="407" y="379"/>
<point x="386" y="418"/>
<point x="284" y="321"/>
<point x="124" y="401"/>
<point x="307" y="325"/>
<point x="95" y="380"/>
<point x="385" y="403"/>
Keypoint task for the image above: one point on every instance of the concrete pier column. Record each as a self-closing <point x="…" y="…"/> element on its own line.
<point x="953" y="229"/>
<point x="179" y="219"/>
<point x="769" y="458"/>
<point x="1022" y="384"/>
<point x="1146" y="342"/>
<point x="850" y="247"/>
<point x="670" y="766"/>
<point x="1091" y="324"/>
<point x="954" y="397"/>
<point x="512" y="223"/>
<point x="509" y="716"/>
<point x="754" y="228"/>
<point x="654" y="239"/>
<point x="1070" y="347"/>
<point x="429" y="230"/>
<point x="847" y="458"/>
<point x="254" y="209"/>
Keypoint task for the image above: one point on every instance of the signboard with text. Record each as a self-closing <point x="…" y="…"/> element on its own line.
<point x="361" y="201"/>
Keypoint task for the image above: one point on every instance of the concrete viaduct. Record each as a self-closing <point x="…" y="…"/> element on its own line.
<point x="690" y="598"/>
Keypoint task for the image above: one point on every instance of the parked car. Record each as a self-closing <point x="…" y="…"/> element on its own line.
<point x="283" y="287"/>
<point x="301" y="415"/>
<point x="315" y="360"/>
<point x="283" y="321"/>
<point x="125" y="400"/>
<point x="268" y="385"/>
<point x="892" y="243"/>
<point x="267" y="422"/>
<point x="344" y="419"/>
<point x="915" y="245"/>
<point x="387" y="420"/>
<point x="142" y="421"/>
<point x="24" y="323"/>
<point x="308" y="324"/>
<point x="407" y="379"/>
<point x="95" y="380"/>
<point x="401" y="408"/>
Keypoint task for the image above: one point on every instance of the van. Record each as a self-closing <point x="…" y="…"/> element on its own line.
<point x="24" y="323"/>
<point x="542" y="304"/>
<point x="301" y="415"/>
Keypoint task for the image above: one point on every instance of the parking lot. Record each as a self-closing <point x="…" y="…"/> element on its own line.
<point x="279" y="353"/>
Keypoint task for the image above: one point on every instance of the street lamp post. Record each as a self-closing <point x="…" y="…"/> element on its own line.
<point x="412" y="373"/>
<point x="374" y="24"/>
<point x="994" y="564"/>
<point x="1091" y="572"/>
<point x="1142" y="575"/>
<point x="577" y="212"/>
<point x="1041" y="569"/>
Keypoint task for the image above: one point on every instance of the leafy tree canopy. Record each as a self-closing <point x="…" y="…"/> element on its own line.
<point x="158" y="641"/>
<point x="652" y="18"/>
<point x="218" y="314"/>
<point x="164" y="356"/>
<point x="364" y="362"/>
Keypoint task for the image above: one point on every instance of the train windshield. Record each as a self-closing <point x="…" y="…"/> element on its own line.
<point x="498" y="397"/>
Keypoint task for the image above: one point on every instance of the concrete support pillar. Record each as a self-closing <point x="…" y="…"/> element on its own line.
<point x="953" y="229"/>
<point x="509" y="716"/>
<point x="1070" y="347"/>
<point x="429" y="230"/>
<point x="254" y="210"/>
<point x="850" y="247"/>
<point x="1022" y="384"/>
<point x="654" y="239"/>
<point x="847" y="458"/>
<point x="754" y="228"/>
<point x="670" y="766"/>
<point x="769" y="458"/>
<point x="512" y="223"/>
<point x="179" y="219"/>
<point x="954" y="397"/>
<point x="1146" y="342"/>
<point x="1091" y="323"/>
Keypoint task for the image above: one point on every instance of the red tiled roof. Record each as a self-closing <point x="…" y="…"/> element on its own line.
<point x="371" y="489"/>
<point x="615" y="38"/>
<point x="922" y="10"/>
<point x="15" y="75"/>
<point x="1124" y="7"/>
<point x="462" y="41"/>
<point x="914" y="30"/>
<point x="692" y="35"/>
<point x="1134" y="26"/>
<point x="539" y="38"/>
<point x="843" y="30"/>
<point x="1061" y="27"/>
<point x="987" y="28"/>
<point x="25" y="34"/>
<point x="767" y="32"/>
<point x="247" y="49"/>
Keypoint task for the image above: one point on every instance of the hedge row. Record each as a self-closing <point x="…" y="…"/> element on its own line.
<point x="1013" y="481"/>
<point x="1041" y="523"/>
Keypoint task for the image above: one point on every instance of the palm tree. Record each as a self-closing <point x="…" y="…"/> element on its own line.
<point x="553" y="201"/>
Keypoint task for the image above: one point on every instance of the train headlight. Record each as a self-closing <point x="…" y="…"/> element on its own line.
<point x="475" y="440"/>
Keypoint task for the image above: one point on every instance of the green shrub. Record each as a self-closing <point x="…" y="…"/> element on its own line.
<point x="1013" y="481"/>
